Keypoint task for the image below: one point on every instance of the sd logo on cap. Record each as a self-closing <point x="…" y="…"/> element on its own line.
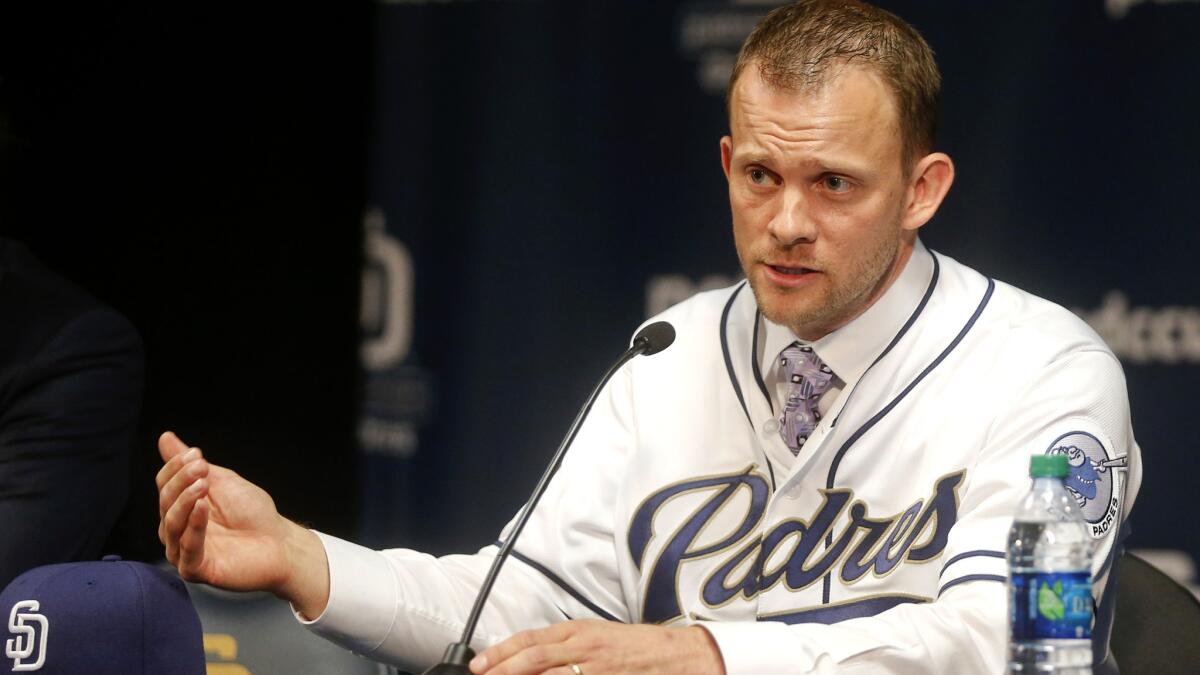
<point x="109" y="616"/>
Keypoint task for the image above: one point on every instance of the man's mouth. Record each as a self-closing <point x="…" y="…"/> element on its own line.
<point x="790" y="275"/>
<point x="784" y="269"/>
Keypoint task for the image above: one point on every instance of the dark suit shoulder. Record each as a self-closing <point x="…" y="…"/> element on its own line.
<point x="46" y="317"/>
<point x="36" y="303"/>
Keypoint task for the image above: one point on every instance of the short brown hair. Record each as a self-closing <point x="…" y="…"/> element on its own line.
<point x="794" y="46"/>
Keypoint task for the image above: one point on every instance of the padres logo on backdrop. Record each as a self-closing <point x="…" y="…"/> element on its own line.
<point x="30" y="630"/>
<point x="1093" y="479"/>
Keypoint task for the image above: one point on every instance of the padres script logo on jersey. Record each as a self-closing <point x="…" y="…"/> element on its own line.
<point x="917" y="533"/>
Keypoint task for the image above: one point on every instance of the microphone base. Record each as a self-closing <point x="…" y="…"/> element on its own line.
<point x="454" y="662"/>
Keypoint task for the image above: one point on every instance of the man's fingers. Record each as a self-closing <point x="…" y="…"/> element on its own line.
<point x="531" y="651"/>
<point x="173" y="465"/>
<point x="191" y="544"/>
<point x="601" y="647"/>
<point x="531" y="661"/>
<point x="175" y="521"/>
<point x="189" y="473"/>
<point x="503" y="651"/>
<point x="169" y="445"/>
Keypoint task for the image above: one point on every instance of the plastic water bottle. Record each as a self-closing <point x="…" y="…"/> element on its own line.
<point x="1050" y="577"/>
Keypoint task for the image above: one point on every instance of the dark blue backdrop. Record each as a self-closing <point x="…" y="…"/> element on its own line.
<point x="546" y="174"/>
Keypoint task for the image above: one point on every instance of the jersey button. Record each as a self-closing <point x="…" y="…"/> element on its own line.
<point x="771" y="426"/>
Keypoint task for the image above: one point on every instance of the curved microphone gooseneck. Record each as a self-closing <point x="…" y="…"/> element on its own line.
<point x="650" y="340"/>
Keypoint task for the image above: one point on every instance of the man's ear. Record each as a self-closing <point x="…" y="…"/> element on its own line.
<point x="930" y="181"/>
<point x="726" y="154"/>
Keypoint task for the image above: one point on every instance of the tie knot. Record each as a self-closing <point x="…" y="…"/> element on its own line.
<point x="799" y="363"/>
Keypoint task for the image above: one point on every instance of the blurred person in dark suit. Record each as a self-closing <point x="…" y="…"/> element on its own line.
<point x="71" y="375"/>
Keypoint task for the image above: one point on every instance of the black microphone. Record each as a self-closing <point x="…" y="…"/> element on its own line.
<point x="650" y="340"/>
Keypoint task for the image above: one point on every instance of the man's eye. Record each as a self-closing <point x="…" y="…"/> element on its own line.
<point x="759" y="176"/>
<point x="836" y="184"/>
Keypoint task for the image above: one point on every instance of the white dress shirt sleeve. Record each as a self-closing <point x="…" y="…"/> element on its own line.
<point x="404" y="607"/>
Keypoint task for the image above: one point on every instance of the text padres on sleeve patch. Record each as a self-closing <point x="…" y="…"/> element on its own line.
<point x="1096" y="479"/>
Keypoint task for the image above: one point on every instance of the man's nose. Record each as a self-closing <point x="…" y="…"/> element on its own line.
<point x="792" y="222"/>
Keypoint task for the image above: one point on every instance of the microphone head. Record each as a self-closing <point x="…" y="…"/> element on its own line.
<point x="654" y="338"/>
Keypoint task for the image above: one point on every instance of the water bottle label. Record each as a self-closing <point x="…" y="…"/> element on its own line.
<point x="1050" y="605"/>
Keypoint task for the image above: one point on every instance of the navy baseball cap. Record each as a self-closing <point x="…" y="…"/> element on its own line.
<point x="108" y="616"/>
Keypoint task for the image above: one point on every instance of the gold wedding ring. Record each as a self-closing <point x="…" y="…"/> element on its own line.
<point x="576" y="669"/>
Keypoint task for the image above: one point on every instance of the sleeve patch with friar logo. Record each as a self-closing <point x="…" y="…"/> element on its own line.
<point x="1095" y="479"/>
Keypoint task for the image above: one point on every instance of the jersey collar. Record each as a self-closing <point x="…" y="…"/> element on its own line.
<point x="851" y="349"/>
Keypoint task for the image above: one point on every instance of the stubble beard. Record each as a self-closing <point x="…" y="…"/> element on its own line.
<point x="814" y="312"/>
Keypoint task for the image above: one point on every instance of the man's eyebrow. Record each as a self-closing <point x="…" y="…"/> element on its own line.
<point x="821" y="164"/>
<point x="863" y="170"/>
<point x="751" y="156"/>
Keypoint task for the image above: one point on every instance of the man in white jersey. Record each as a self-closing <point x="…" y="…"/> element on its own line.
<point x="817" y="476"/>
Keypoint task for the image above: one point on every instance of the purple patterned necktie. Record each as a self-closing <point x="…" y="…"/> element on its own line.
<point x="808" y="378"/>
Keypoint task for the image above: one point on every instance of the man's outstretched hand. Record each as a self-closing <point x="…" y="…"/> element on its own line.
<point x="220" y="529"/>
<point x="603" y="648"/>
